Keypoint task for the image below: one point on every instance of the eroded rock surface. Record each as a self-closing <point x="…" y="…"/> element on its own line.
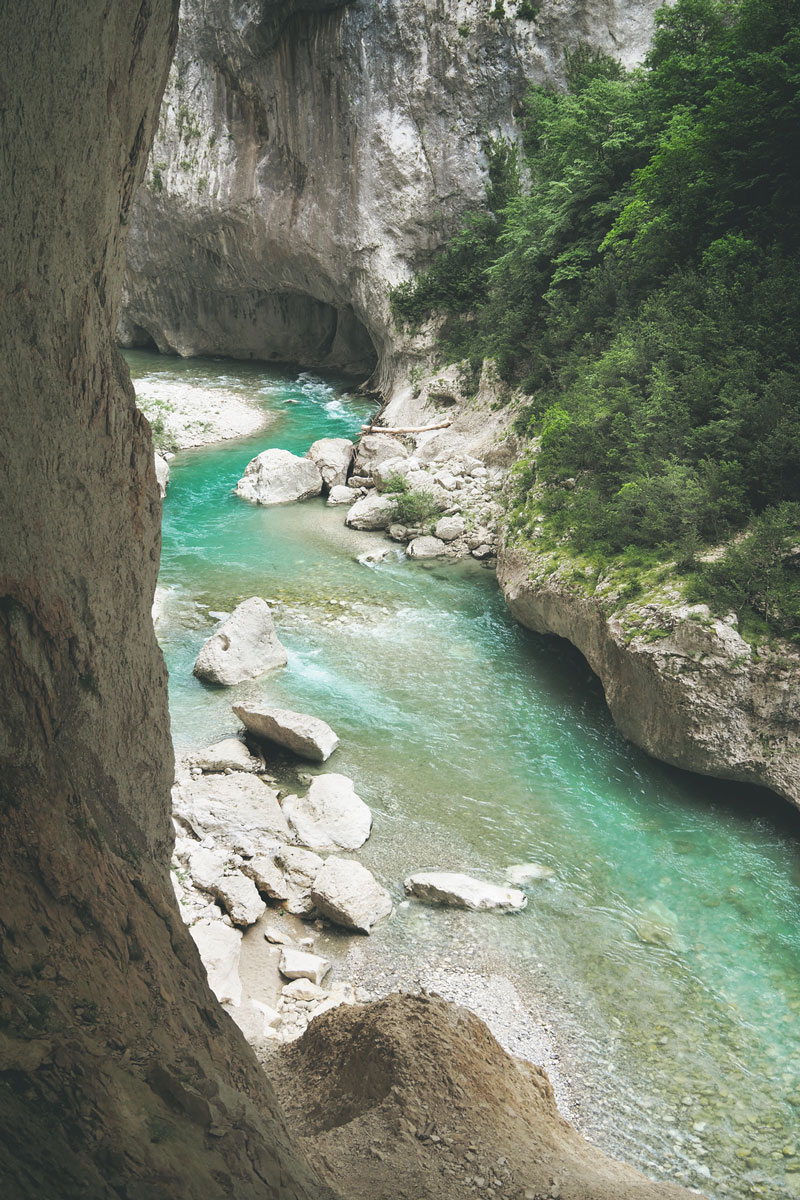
<point x="300" y="170"/>
<point x="694" y="695"/>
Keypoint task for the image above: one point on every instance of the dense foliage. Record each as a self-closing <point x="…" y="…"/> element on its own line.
<point x="643" y="287"/>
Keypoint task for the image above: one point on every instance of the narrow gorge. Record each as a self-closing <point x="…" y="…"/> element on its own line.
<point x="308" y="163"/>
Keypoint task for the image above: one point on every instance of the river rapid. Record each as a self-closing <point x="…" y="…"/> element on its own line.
<point x="662" y="956"/>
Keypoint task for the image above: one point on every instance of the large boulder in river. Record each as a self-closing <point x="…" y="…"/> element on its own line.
<point x="462" y="891"/>
<point x="330" y="814"/>
<point x="332" y="458"/>
<point x="306" y="736"/>
<point x="372" y="511"/>
<point x="348" y="894"/>
<point x="278" y="477"/>
<point x="244" y="646"/>
<point x="375" y="448"/>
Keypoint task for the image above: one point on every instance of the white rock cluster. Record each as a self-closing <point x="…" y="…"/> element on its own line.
<point x="462" y="490"/>
<point x="238" y="850"/>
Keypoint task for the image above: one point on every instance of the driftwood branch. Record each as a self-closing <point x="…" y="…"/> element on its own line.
<point x="407" y="429"/>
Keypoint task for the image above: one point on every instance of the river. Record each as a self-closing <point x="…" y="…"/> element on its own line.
<point x="662" y="955"/>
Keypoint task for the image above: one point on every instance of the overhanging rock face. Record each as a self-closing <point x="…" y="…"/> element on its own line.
<point x="119" y="1074"/>
<point x="298" y="171"/>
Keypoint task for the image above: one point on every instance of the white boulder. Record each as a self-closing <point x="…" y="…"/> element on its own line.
<point x="279" y="477"/>
<point x="372" y="511"/>
<point x="300" y="869"/>
<point x="348" y="894"/>
<point x="332" y="458"/>
<point x="268" y="877"/>
<point x="220" y="948"/>
<point x="463" y="891"/>
<point x="340" y="495"/>
<point x="244" y="646"/>
<point x="304" y="989"/>
<point x="374" y="449"/>
<point x="391" y="468"/>
<point x="239" y="897"/>
<point x="306" y="736"/>
<point x="231" y="807"/>
<point x="227" y="755"/>
<point x="450" y="528"/>
<point x="162" y="475"/>
<point x="299" y="964"/>
<point x="330" y="814"/>
<point x="426" y="547"/>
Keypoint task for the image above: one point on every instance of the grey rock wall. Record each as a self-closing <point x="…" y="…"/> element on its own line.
<point x="298" y="172"/>
<point x="119" y="1073"/>
<point x="679" y="683"/>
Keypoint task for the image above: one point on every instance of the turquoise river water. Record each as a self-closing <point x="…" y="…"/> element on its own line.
<point x="664" y="952"/>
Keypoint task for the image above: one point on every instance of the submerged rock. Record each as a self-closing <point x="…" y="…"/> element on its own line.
<point x="278" y="477"/>
<point x="306" y="736"/>
<point x="220" y="948"/>
<point x="463" y="891"/>
<point x="330" y="814"/>
<point x="521" y="873"/>
<point x="372" y="511"/>
<point x="332" y="458"/>
<point x="348" y="894"/>
<point x="244" y="647"/>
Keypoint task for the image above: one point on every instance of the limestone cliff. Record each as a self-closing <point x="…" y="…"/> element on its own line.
<point x="298" y="171"/>
<point x="119" y="1073"/>
<point x="681" y="684"/>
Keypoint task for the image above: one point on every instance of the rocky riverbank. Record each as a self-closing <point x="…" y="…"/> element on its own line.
<point x="679" y="680"/>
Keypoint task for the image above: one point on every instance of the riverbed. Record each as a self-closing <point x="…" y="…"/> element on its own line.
<point x="662" y="957"/>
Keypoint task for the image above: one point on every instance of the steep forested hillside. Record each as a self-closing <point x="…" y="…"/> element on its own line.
<point x="636" y="273"/>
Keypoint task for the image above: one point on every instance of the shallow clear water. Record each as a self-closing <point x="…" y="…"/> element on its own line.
<point x="667" y="943"/>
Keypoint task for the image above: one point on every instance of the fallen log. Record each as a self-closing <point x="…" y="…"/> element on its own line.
<point x="406" y="429"/>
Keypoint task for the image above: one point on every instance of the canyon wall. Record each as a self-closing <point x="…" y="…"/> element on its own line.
<point x="299" y="171"/>
<point x="680" y="683"/>
<point x="119" y="1073"/>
